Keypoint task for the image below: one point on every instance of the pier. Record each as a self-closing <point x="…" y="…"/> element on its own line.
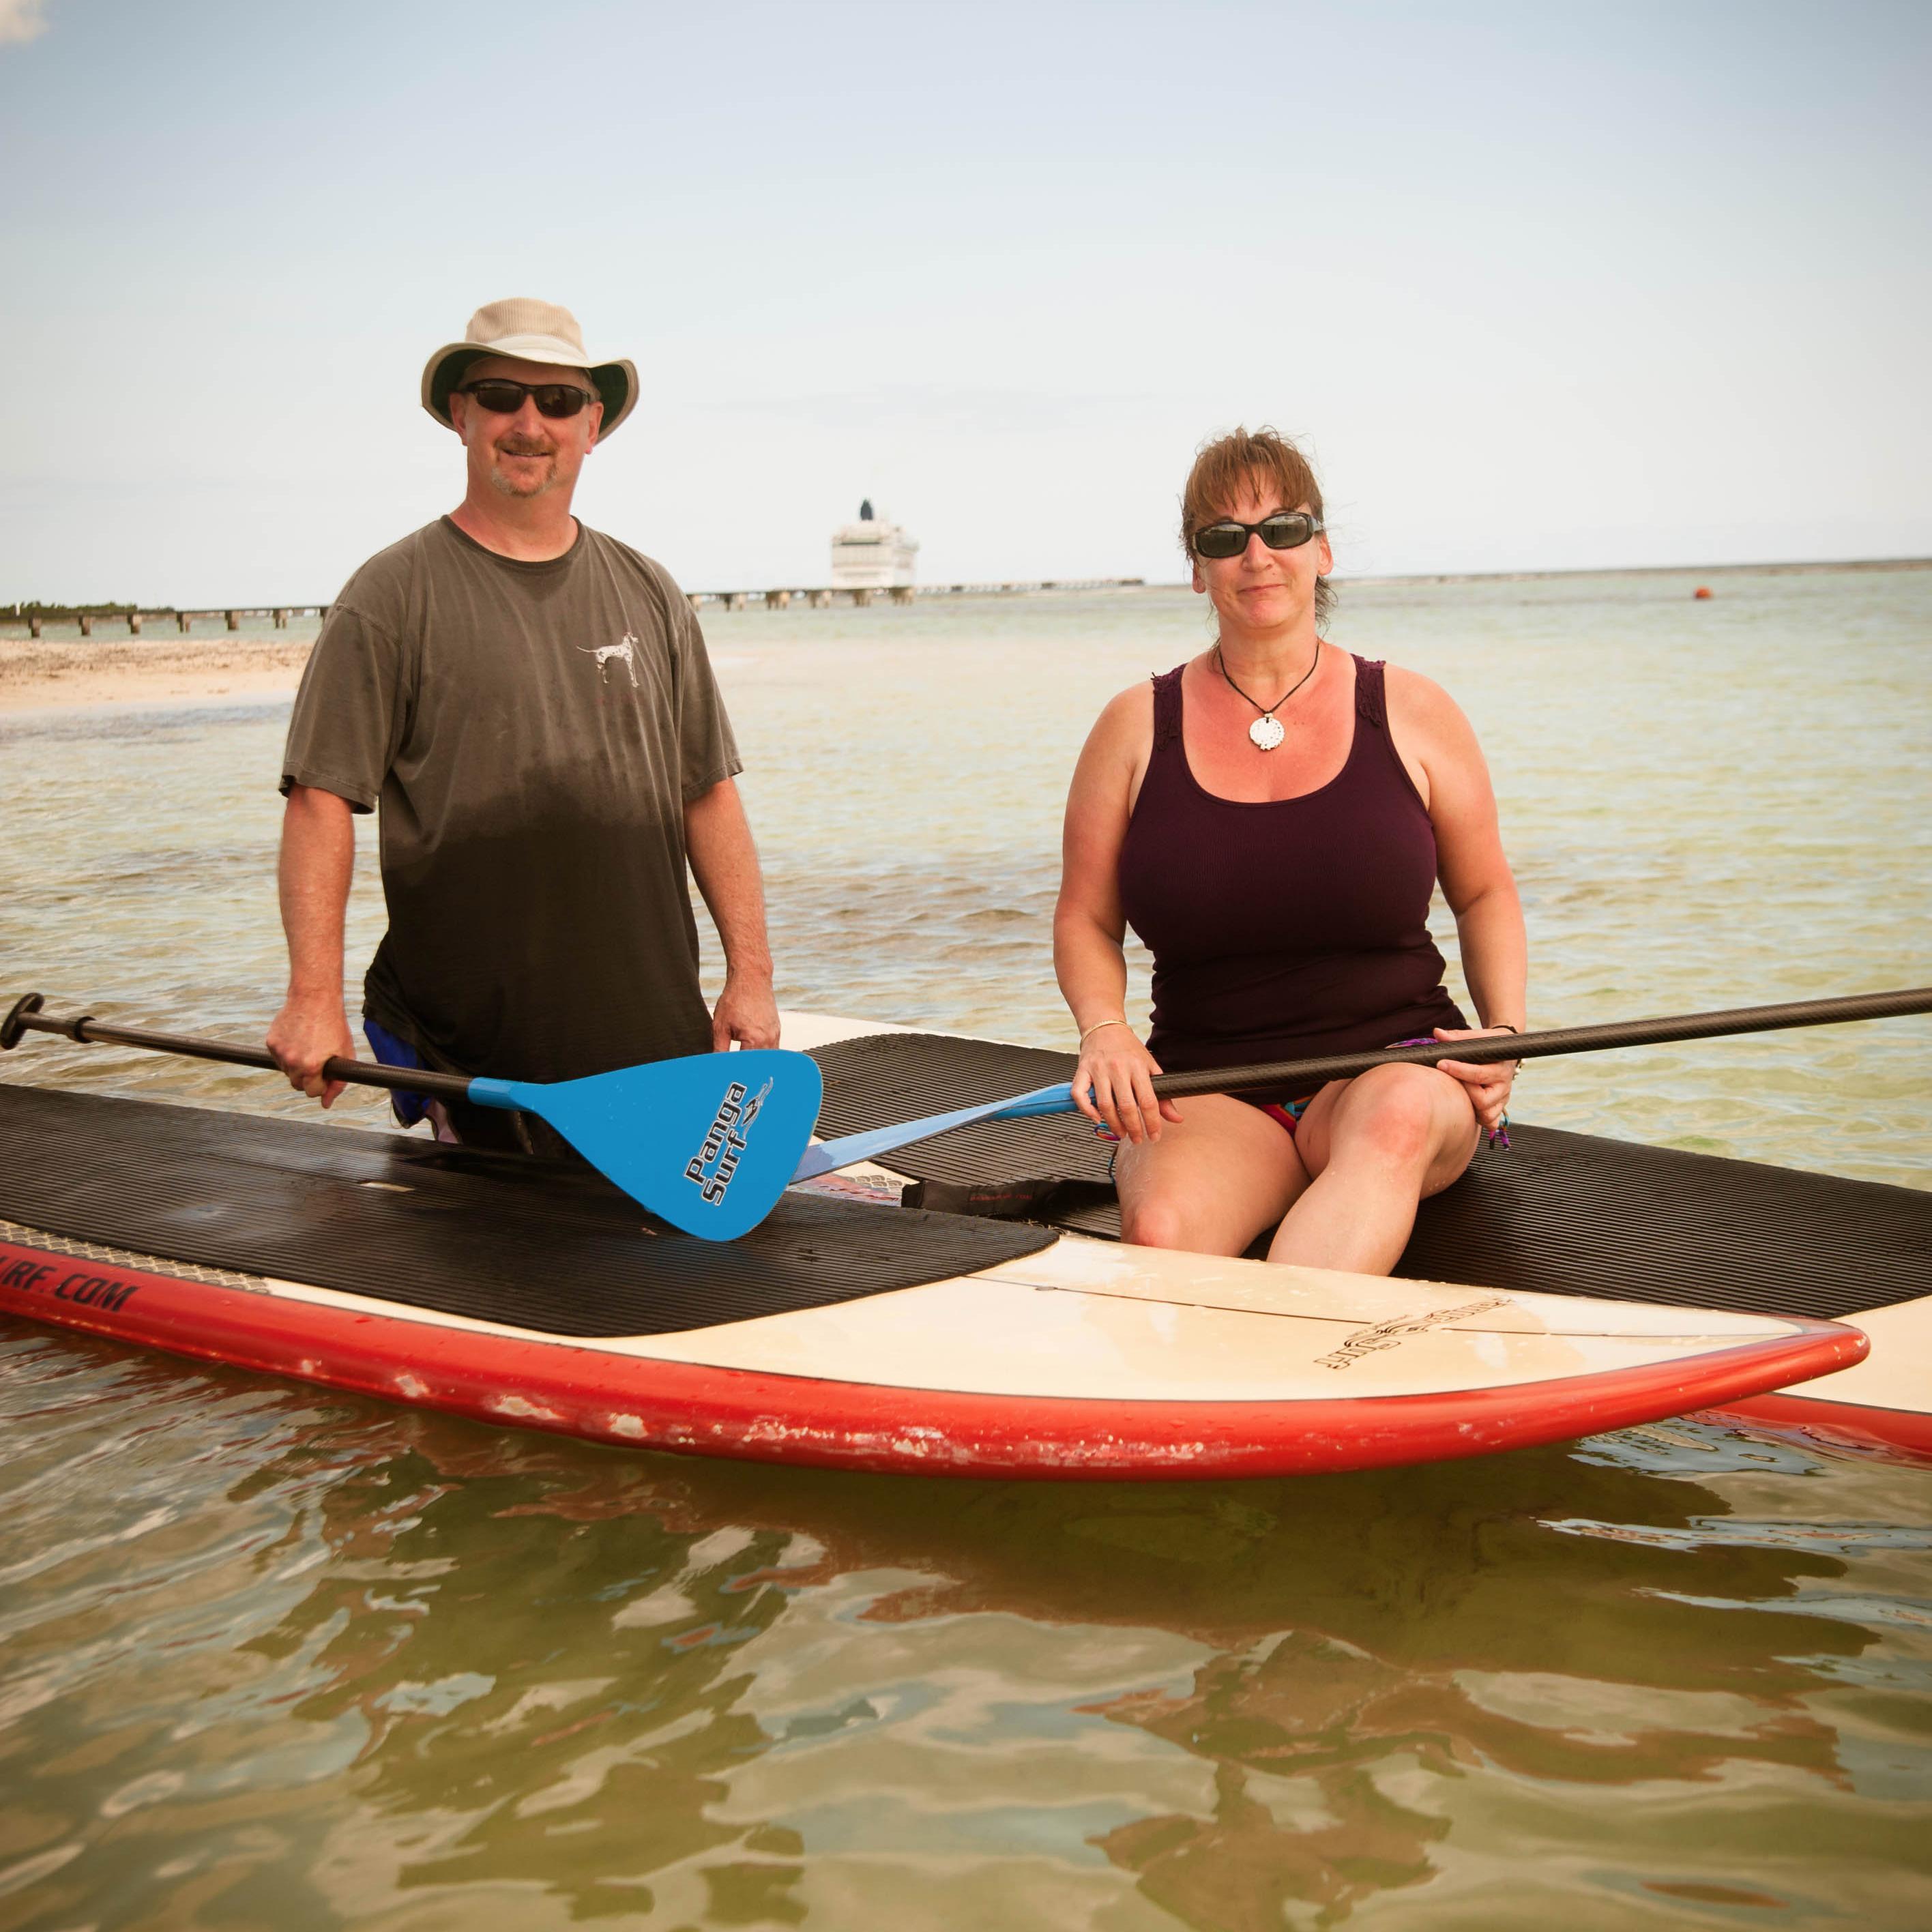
<point x="184" y="621"/>
<point x="814" y="597"/>
<point x="821" y="597"/>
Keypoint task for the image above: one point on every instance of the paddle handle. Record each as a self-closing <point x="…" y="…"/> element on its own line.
<point x="26" y="1017"/>
<point x="1309" y="1074"/>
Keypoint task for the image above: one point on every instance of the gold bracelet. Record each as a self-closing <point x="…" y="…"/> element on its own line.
<point x="1097" y="1027"/>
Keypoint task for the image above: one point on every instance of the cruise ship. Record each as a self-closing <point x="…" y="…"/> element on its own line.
<point x="872" y="554"/>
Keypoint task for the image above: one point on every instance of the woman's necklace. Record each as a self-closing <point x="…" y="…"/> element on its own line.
<point x="1267" y="731"/>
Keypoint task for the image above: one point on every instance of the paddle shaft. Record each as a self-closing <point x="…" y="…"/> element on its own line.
<point x="1311" y="1073"/>
<point x="1305" y="1075"/>
<point x="356" y="1072"/>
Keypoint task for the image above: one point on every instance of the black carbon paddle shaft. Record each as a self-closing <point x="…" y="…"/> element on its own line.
<point x="356" y="1073"/>
<point x="1311" y="1073"/>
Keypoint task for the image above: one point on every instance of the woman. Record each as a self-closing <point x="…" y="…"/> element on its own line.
<point x="1271" y="817"/>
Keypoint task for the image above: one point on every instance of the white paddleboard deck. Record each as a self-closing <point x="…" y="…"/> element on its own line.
<point x="1087" y="1359"/>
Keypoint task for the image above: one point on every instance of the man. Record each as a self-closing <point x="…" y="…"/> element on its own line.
<point x="530" y="703"/>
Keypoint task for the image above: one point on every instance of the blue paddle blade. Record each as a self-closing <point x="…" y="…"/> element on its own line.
<point x="708" y="1144"/>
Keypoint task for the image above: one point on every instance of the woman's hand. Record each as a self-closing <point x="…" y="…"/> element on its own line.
<point x="1113" y="1085"/>
<point x="1488" y="1086"/>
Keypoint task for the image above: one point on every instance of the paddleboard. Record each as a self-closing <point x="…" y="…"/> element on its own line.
<point x="1695" y="1229"/>
<point x="1882" y="1403"/>
<point x="1077" y="1358"/>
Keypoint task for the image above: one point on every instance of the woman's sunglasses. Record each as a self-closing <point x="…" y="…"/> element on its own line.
<point x="1288" y="530"/>
<point x="504" y="398"/>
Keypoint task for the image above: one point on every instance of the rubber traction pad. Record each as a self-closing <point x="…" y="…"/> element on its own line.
<point x="1559" y="1213"/>
<point x="538" y="1245"/>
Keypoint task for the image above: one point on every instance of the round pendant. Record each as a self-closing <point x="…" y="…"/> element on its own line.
<point x="1267" y="732"/>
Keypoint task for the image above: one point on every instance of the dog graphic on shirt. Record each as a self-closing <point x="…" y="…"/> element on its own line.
<point x="624" y="651"/>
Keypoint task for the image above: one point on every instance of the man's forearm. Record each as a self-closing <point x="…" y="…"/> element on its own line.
<point x="724" y="861"/>
<point x="318" y="858"/>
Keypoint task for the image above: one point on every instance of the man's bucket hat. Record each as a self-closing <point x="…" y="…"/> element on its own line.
<point x="532" y="331"/>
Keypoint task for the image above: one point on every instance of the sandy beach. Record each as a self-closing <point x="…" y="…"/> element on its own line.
<point x="37" y="673"/>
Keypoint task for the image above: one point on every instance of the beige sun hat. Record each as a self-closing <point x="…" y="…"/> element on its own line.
<point x="532" y="331"/>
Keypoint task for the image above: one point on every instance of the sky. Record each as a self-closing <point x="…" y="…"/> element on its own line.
<point x="1538" y="287"/>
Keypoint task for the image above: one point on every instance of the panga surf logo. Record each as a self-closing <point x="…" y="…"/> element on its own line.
<point x="711" y="1168"/>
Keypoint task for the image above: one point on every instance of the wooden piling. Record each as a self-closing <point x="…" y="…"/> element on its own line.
<point x="861" y="598"/>
<point x="902" y="593"/>
<point x="777" y="600"/>
<point x="86" y="625"/>
<point x="281" y="620"/>
<point x="234" y="619"/>
<point x="183" y="619"/>
<point x="33" y="627"/>
<point x="821" y="600"/>
<point x="134" y="623"/>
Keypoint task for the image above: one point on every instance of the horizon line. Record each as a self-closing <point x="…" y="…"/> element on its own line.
<point x="23" y="606"/>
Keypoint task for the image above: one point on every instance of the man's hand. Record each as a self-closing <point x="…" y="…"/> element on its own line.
<point x="306" y="1033"/>
<point x="747" y="1011"/>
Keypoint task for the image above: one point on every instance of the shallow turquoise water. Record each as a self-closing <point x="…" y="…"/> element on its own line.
<point x="277" y="1658"/>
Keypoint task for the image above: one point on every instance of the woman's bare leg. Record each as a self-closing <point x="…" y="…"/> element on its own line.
<point x="1375" y="1147"/>
<point x="1212" y="1183"/>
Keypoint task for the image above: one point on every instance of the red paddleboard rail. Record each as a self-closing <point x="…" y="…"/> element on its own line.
<point x="1837" y="1424"/>
<point x="648" y="1403"/>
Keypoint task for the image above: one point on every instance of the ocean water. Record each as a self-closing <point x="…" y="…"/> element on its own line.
<point x="270" y="1657"/>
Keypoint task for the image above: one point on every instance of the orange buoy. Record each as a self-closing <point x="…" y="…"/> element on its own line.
<point x="1702" y="590"/>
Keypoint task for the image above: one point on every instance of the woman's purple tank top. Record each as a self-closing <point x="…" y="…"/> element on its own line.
<point x="1289" y="928"/>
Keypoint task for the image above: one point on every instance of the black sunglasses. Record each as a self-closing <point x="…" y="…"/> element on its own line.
<point x="503" y="397"/>
<point x="1286" y="530"/>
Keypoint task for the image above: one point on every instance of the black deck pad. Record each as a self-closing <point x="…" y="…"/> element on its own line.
<point x="881" y="1077"/>
<point x="539" y="1245"/>
<point x="1558" y="1212"/>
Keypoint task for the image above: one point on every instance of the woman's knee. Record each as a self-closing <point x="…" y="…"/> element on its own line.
<point x="1159" y="1222"/>
<point x="1403" y="1118"/>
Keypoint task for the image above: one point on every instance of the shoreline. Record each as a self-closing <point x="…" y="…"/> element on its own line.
<point x="47" y="674"/>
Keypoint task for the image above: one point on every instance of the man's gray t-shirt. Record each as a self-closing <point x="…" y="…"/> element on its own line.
<point x="532" y="732"/>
